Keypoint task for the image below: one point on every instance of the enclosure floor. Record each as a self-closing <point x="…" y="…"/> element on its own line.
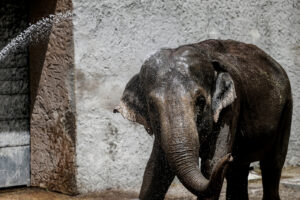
<point x="289" y="190"/>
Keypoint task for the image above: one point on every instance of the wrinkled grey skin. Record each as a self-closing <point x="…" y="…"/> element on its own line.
<point x="224" y="101"/>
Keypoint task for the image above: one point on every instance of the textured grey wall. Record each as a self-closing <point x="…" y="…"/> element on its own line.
<point x="113" y="38"/>
<point x="14" y="98"/>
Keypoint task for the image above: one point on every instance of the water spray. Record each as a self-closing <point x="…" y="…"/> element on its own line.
<point x="34" y="33"/>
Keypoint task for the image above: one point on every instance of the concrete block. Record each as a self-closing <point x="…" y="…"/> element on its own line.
<point x="14" y="166"/>
<point x="14" y="138"/>
<point x="14" y="106"/>
<point x="14" y="87"/>
<point x="14" y="74"/>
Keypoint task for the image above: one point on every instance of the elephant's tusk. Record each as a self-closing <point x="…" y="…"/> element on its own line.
<point x="116" y="109"/>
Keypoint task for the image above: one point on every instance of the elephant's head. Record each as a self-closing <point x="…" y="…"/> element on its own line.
<point x="178" y="96"/>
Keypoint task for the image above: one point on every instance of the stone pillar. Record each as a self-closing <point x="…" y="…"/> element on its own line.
<point x="52" y="110"/>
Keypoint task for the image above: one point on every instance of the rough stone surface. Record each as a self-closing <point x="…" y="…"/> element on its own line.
<point x="52" y="116"/>
<point x="113" y="38"/>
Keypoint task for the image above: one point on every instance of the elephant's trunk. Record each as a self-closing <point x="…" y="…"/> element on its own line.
<point x="180" y="142"/>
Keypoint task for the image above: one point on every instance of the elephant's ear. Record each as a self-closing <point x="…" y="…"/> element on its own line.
<point x="224" y="93"/>
<point x="133" y="103"/>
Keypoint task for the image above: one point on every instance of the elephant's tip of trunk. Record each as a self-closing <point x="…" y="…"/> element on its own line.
<point x="221" y="166"/>
<point x="216" y="179"/>
<point x="229" y="158"/>
<point x="223" y="162"/>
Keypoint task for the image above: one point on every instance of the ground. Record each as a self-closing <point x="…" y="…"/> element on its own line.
<point x="289" y="190"/>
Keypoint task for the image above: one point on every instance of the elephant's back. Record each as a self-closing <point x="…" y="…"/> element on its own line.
<point x="242" y="56"/>
<point x="250" y="66"/>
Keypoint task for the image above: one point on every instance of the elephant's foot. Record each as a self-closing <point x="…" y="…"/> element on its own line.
<point x="237" y="182"/>
<point x="271" y="174"/>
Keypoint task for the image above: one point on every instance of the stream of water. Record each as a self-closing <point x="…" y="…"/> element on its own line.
<point x="34" y="33"/>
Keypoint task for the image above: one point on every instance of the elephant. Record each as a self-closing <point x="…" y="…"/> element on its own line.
<point x="224" y="101"/>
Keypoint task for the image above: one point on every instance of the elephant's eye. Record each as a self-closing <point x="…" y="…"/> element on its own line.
<point x="199" y="104"/>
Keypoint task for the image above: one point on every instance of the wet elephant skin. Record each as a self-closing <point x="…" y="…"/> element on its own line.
<point x="224" y="101"/>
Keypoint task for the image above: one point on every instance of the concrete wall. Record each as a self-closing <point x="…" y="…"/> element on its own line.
<point x="113" y="38"/>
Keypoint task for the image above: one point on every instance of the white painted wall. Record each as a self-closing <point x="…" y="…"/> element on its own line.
<point x="113" y="38"/>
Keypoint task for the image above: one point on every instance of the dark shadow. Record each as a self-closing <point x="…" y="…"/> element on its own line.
<point x="37" y="52"/>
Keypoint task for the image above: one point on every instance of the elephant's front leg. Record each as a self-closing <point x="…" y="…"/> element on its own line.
<point x="157" y="177"/>
<point x="237" y="182"/>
